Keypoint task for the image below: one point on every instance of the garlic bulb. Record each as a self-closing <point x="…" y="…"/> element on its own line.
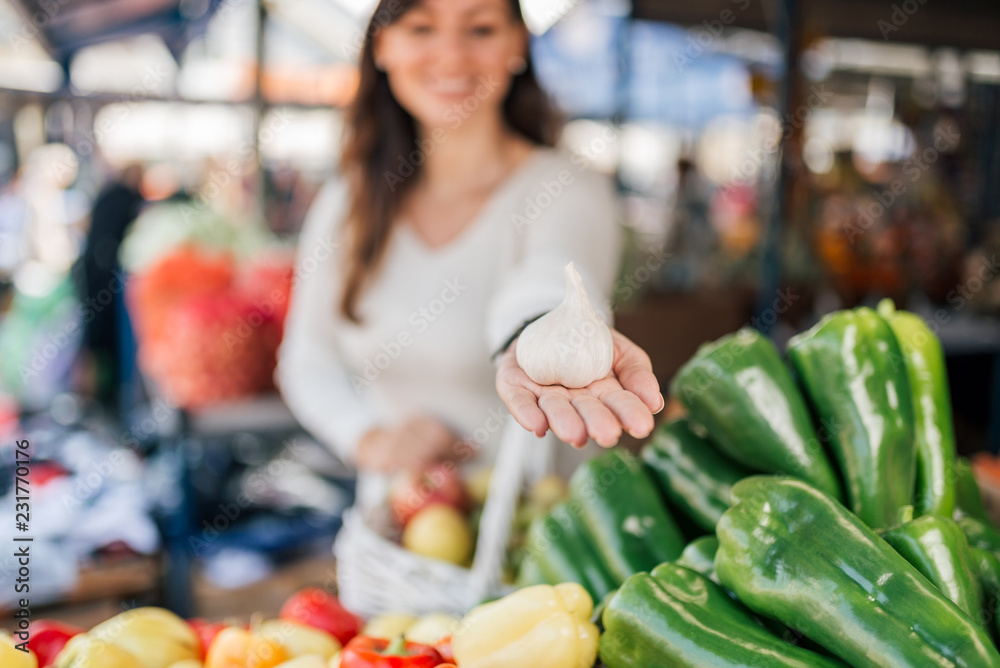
<point x="570" y="345"/>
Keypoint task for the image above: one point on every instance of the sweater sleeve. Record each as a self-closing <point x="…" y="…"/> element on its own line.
<point x="579" y="224"/>
<point x="313" y="381"/>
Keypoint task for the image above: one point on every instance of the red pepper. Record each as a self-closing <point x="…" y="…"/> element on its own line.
<point x="321" y="610"/>
<point x="443" y="647"/>
<point x="367" y="652"/>
<point x="48" y="637"/>
<point x="206" y="631"/>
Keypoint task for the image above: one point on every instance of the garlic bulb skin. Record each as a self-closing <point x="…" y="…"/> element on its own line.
<point x="570" y="345"/>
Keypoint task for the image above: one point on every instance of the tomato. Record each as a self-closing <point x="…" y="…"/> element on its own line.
<point x="322" y="610"/>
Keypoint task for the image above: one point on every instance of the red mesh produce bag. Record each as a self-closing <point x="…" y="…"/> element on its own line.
<point x="219" y="350"/>
<point x="206" y="333"/>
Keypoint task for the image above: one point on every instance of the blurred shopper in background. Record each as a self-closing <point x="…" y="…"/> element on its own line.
<point x="448" y="233"/>
<point x="114" y="210"/>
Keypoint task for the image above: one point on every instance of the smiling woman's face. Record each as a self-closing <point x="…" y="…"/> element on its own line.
<point x="448" y="60"/>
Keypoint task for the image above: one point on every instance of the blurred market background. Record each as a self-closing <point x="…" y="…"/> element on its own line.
<point x="777" y="159"/>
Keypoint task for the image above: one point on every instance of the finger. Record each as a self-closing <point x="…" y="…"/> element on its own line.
<point x="523" y="406"/>
<point x="563" y="419"/>
<point x="601" y="423"/>
<point x="635" y="373"/>
<point x="515" y="390"/>
<point x="630" y="411"/>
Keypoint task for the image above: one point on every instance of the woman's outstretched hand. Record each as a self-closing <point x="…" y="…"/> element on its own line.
<point x="626" y="399"/>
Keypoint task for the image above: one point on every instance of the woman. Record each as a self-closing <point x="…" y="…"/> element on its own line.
<point x="448" y="233"/>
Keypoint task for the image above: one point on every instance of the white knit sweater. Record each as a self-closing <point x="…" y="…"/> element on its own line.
<point x="432" y="317"/>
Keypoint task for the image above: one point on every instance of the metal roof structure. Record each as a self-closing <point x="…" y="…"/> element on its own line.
<point x="63" y="27"/>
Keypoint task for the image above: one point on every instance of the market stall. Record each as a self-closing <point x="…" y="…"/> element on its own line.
<point x="819" y="487"/>
<point x="736" y="537"/>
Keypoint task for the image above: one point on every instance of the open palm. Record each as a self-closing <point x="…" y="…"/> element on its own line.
<point x="626" y="399"/>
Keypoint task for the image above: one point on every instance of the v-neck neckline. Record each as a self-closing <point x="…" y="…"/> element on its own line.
<point x="492" y="201"/>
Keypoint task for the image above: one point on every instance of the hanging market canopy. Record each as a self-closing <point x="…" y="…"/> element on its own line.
<point x="63" y="28"/>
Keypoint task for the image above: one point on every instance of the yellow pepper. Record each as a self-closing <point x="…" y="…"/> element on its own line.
<point x="536" y="627"/>
<point x="86" y="651"/>
<point x="156" y="637"/>
<point x="11" y="657"/>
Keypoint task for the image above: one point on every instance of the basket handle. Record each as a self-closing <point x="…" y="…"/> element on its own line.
<point x="501" y="504"/>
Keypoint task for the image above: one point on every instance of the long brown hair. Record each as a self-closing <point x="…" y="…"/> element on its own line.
<point x="381" y="157"/>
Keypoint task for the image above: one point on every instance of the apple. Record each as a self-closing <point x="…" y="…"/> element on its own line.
<point x="441" y="532"/>
<point x="438" y="484"/>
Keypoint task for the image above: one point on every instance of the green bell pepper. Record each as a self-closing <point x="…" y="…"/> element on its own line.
<point x="987" y="567"/>
<point x="969" y="499"/>
<point x="980" y="534"/>
<point x="933" y="429"/>
<point x="692" y="475"/>
<point x="680" y="618"/>
<point x="850" y="366"/>
<point x="622" y="515"/>
<point x="560" y="552"/>
<point x="529" y="573"/>
<point x="740" y="391"/>
<point x="795" y="554"/>
<point x="699" y="556"/>
<point x="937" y="548"/>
